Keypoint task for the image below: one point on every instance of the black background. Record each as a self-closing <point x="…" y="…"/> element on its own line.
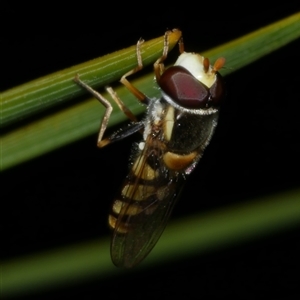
<point x="54" y="199"/>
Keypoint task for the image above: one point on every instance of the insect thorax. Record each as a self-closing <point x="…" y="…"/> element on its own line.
<point x="181" y="130"/>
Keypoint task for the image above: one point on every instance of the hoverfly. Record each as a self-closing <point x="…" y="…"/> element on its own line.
<point x="176" y="129"/>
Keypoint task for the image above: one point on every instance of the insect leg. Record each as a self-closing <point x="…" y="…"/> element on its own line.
<point x="103" y="101"/>
<point x="138" y="94"/>
<point x="121" y="104"/>
<point x="159" y="64"/>
<point x="100" y="142"/>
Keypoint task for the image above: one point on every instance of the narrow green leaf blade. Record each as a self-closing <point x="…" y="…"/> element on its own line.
<point x="42" y="93"/>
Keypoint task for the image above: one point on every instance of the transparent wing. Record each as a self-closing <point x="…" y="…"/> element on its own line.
<point x="143" y="208"/>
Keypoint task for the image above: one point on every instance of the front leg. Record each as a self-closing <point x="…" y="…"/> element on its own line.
<point x="137" y="93"/>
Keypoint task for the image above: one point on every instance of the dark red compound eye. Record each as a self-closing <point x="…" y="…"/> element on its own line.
<point x="217" y="91"/>
<point x="184" y="89"/>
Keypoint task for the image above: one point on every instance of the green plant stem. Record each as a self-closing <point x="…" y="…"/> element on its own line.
<point x="81" y="120"/>
<point x="42" y="93"/>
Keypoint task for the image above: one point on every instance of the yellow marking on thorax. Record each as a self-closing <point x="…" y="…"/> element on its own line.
<point x="168" y="123"/>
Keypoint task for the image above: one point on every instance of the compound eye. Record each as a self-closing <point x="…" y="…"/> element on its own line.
<point x="184" y="89"/>
<point x="217" y="91"/>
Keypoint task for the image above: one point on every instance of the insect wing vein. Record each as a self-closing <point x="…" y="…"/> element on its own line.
<point x="148" y="197"/>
